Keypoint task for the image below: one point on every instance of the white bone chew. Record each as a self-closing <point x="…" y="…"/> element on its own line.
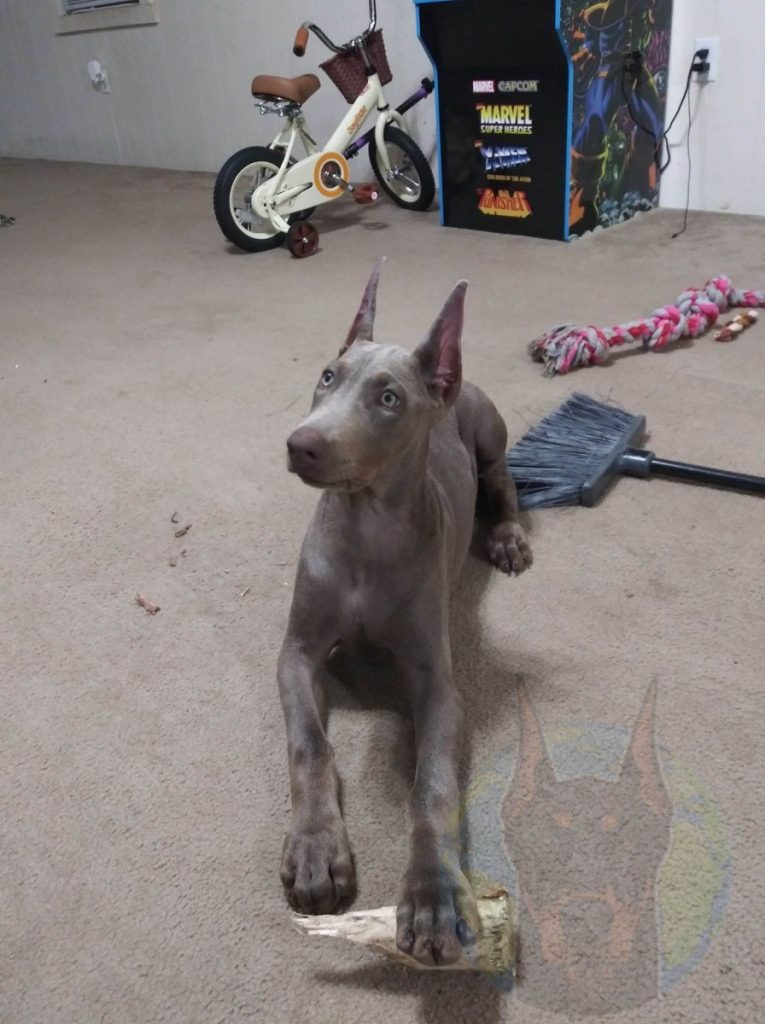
<point x="494" y="949"/>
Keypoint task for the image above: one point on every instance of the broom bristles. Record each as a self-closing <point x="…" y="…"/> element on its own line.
<point x="555" y="459"/>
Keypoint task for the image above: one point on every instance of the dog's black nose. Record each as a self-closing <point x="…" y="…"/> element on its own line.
<point x="307" y="449"/>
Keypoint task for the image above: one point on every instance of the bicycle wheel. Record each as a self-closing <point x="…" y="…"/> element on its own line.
<point x="410" y="182"/>
<point x="237" y="180"/>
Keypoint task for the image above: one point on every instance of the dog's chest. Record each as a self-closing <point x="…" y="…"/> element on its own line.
<point x="372" y="599"/>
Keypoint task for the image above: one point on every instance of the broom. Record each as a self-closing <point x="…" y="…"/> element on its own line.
<point x="572" y="456"/>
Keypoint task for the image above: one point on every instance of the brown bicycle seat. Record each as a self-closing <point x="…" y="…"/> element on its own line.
<point x="297" y="90"/>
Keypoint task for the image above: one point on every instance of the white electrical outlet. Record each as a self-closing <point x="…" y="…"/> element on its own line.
<point x="98" y="76"/>
<point x="711" y="43"/>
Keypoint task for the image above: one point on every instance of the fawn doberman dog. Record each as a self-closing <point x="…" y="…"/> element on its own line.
<point x="399" y="444"/>
<point x="587" y="853"/>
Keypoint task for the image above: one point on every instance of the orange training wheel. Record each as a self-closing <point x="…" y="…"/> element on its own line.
<point x="302" y="239"/>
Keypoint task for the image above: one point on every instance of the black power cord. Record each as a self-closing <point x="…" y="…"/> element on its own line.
<point x="699" y="64"/>
<point x="633" y="65"/>
<point x="688" y="183"/>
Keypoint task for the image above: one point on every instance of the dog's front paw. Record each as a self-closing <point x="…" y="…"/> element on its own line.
<point x="508" y="548"/>
<point x="437" y="919"/>
<point x="317" y="869"/>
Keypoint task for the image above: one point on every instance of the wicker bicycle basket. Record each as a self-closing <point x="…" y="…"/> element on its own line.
<point x="347" y="69"/>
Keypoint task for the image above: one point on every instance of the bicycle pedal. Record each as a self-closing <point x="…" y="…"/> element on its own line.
<point x="365" y="194"/>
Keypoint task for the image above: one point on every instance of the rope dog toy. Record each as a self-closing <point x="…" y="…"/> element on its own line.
<point x="565" y="347"/>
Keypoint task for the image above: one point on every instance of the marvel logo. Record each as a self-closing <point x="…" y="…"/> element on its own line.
<point x="483" y="85"/>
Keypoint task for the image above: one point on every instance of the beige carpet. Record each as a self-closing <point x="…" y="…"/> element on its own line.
<point x="146" y="367"/>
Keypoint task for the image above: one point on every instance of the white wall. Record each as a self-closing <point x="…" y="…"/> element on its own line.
<point x="181" y="89"/>
<point x="728" y="135"/>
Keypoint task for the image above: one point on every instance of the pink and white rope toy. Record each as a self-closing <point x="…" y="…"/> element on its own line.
<point x="564" y="348"/>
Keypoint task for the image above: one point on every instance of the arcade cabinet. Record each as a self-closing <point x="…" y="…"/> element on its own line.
<point x="550" y="113"/>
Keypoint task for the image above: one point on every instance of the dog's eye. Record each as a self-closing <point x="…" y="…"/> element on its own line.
<point x="326" y="378"/>
<point x="389" y="399"/>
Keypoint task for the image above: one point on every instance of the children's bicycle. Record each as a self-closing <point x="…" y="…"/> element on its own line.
<point x="263" y="194"/>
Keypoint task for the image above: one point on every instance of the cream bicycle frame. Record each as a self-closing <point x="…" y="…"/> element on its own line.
<point x="301" y="186"/>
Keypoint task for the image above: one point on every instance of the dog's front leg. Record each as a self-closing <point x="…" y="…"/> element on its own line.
<point x="317" y="868"/>
<point x="436" y="916"/>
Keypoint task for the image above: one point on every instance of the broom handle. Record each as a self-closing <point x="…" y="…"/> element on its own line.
<point x="636" y="462"/>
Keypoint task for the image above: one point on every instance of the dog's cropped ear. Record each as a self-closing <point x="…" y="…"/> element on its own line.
<point x="533" y="771"/>
<point x="641" y="766"/>
<point x="439" y="354"/>
<point x="363" y="323"/>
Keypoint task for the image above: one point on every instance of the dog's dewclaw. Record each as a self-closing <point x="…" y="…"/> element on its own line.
<point x="494" y="950"/>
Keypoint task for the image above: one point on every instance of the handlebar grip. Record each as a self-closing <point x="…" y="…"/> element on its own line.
<point x="301" y="41"/>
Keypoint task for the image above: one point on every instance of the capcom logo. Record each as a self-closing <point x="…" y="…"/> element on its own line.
<point x="522" y="85"/>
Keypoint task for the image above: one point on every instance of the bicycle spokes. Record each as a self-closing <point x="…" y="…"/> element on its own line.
<point x="401" y="173"/>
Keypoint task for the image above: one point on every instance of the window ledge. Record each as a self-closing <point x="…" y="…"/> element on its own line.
<point x="145" y="13"/>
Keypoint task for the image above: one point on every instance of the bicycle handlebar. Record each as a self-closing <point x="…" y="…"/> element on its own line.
<point x="301" y="38"/>
<point x="301" y="41"/>
<point x="372" y="16"/>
